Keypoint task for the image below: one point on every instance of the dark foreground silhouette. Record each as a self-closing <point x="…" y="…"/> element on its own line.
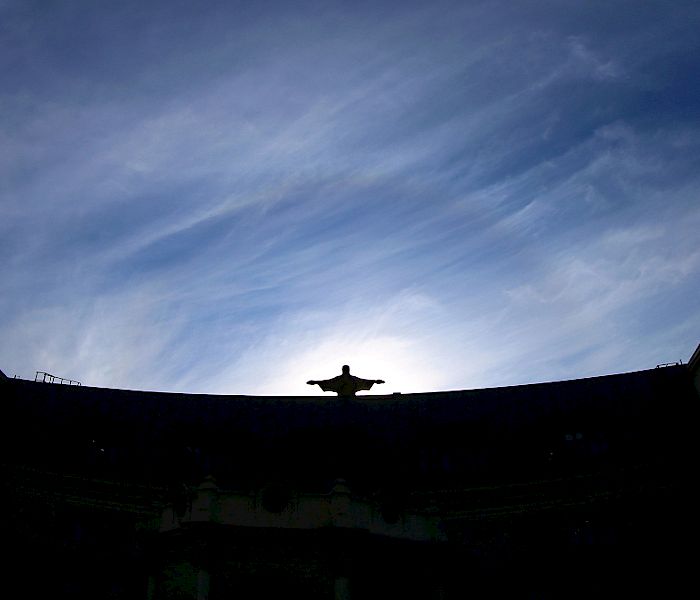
<point x="570" y="489"/>
<point x="345" y="384"/>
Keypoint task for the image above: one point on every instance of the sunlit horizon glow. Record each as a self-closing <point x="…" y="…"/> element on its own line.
<point x="236" y="198"/>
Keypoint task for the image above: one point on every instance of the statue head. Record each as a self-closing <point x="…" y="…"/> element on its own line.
<point x="346" y="370"/>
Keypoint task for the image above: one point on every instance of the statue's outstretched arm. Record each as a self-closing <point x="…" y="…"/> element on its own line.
<point x="379" y="381"/>
<point x="311" y="382"/>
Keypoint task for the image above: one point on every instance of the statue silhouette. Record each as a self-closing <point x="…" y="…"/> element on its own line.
<point x="345" y="384"/>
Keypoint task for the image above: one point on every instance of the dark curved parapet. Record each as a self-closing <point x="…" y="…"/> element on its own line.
<point x="419" y="441"/>
<point x="529" y="487"/>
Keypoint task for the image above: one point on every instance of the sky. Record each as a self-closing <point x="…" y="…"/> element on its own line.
<point x="236" y="197"/>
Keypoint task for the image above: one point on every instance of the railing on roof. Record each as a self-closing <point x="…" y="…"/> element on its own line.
<point x="48" y="378"/>
<point x="669" y="364"/>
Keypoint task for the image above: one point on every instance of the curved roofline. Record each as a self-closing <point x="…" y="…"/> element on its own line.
<point x="372" y="397"/>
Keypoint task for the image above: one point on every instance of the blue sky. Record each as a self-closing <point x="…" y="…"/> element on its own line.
<point x="235" y="197"/>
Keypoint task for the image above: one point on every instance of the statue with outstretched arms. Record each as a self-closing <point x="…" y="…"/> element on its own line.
<point x="345" y="384"/>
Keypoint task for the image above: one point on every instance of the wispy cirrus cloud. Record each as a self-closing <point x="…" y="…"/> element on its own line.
<point x="236" y="199"/>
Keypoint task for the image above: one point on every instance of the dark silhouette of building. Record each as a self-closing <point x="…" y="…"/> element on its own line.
<point x="572" y="489"/>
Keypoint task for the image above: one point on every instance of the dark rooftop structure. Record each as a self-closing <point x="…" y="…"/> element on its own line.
<point x="563" y="489"/>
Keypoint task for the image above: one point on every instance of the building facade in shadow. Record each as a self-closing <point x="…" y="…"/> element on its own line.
<point x="563" y="489"/>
